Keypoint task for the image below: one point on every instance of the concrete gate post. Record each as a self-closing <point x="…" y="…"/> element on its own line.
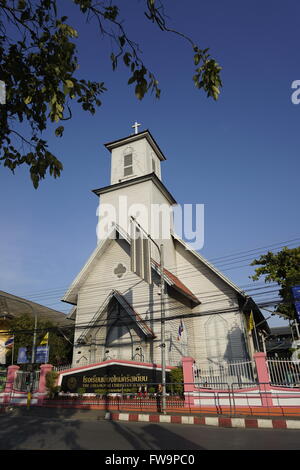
<point x="44" y="369"/>
<point x="10" y="378"/>
<point x="188" y="379"/>
<point x="263" y="378"/>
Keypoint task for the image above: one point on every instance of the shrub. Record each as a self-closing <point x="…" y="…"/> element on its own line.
<point x="81" y="391"/>
<point x="176" y="379"/>
<point x="51" y="384"/>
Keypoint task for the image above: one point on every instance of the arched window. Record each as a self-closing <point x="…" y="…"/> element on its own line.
<point x="217" y="339"/>
<point x="119" y="342"/>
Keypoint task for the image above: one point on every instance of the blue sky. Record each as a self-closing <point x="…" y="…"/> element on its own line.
<point x="238" y="156"/>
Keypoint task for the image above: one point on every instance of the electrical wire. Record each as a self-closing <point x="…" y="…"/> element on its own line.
<point x="177" y="268"/>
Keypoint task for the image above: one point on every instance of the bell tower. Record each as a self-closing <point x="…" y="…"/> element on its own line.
<point x="136" y="190"/>
<point x="134" y="156"/>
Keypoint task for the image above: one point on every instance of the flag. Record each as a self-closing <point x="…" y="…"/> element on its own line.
<point x="45" y="339"/>
<point x="22" y="356"/>
<point x="180" y="330"/>
<point x="251" y="322"/>
<point x="296" y="292"/>
<point x="10" y="342"/>
<point x="297" y="307"/>
<point x="42" y="354"/>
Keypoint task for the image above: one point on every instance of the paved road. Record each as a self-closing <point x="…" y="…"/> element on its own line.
<point x="28" y="430"/>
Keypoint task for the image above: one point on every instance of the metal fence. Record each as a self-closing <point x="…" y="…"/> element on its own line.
<point x="284" y="372"/>
<point x="63" y="367"/>
<point x="131" y="396"/>
<point x="129" y="402"/>
<point x="25" y="380"/>
<point x="218" y="376"/>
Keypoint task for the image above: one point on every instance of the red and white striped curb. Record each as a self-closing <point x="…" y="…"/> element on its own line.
<point x="278" y="423"/>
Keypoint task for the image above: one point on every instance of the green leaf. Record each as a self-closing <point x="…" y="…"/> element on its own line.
<point x="131" y="80"/>
<point x="197" y="58"/>
<point x="21" y="4"/>
<point x="139" y="91"/>
<point x="59" y="131"/>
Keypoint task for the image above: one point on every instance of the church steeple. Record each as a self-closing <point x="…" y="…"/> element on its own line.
<point x="134" y="156"/>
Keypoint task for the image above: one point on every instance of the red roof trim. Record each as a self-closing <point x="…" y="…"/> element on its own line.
<point x="177" y="283"/>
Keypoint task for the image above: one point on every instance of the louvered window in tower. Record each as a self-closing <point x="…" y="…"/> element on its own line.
<point x="128" y="167"/>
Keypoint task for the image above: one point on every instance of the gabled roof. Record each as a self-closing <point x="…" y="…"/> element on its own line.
<point x="209" y="265"/>
<point x="242" y="294"/>
<point x="139" y="322"/>
<point x="171" y="279"/>
<point x="12" y="306"/>
<point x="71" y="294"/>
<point x="72" y="313"/>
<point x="175" y="282"/>
<point x="281" y="331"/>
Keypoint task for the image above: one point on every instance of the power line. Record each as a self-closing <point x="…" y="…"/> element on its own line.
<point x="184" y="268"/>
<point x="95" y="290"/>
<point x="108" y="321"/>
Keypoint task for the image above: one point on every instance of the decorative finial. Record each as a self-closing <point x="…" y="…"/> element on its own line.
<point x="136" y="125"/>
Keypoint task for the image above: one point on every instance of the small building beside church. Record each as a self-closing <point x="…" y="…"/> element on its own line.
<point x="12" y="306"/>
<point x="117" y="309"/>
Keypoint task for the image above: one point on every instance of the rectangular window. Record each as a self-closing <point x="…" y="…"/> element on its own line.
<point x="128" y="168"/>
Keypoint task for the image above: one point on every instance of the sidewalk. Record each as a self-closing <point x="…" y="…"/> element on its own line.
<point x="222" y="421"/>
<point x="237" y="421"/>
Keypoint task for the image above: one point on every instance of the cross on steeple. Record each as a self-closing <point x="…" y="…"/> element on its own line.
<point x="136" y="125"/>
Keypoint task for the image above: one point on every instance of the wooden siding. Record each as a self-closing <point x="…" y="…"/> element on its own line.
<point x="217" y="326"/>
<point x="144" y="299"/>
<point x="214" y="330"/>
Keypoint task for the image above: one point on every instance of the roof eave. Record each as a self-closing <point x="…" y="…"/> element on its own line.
<point x="132" y="138"/>
<point x="209" y="265"/>
<point x="139" y="179"/>
<point x="71" y="295"/>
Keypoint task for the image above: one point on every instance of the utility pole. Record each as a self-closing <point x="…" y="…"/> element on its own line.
<point x="34" y="339"/>
<point x="162" y="312"/>
<point x="163" y="331"/>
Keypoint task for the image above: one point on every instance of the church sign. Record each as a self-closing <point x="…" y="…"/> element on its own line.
<point x="111" y="378"/>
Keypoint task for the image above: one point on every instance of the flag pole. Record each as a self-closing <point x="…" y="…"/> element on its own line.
<point x="256" y="337"/>
<point x="13" y="350"/>
<point x="34" y="339"/>
<point x="47" y="334"/>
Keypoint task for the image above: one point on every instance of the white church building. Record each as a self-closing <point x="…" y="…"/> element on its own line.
<point x="117" y="300"/>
